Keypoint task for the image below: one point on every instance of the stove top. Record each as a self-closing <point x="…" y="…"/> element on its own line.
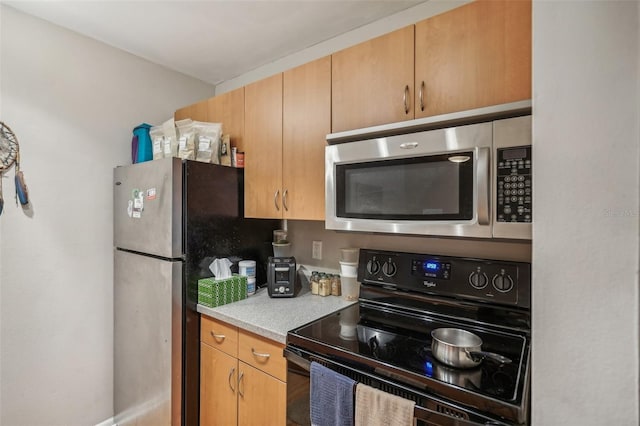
<point x="410" y="350"/>
<point x="388" y="333"/>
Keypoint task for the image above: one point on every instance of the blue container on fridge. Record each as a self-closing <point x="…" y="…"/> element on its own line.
<point x="142" y="148"/>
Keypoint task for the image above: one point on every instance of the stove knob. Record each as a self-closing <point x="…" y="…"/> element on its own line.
<point x="502" y="283"/>
<point x="389" y="268"/>
<point x="373" y="267"/>
<point x="478" y="280"/>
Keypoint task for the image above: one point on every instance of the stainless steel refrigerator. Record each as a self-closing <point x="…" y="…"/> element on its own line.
<point x="171" y="218"/>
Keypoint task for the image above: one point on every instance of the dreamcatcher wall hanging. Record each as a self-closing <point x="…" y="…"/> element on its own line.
<point x="10" y="156"/>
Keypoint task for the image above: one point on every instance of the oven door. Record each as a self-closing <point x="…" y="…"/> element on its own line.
<point x="428" y="412"/>
<point x="429" y="183"/>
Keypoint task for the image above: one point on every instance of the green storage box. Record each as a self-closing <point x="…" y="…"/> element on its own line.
<point x="213" y="292"/>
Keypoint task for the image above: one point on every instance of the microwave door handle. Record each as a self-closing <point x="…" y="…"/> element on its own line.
<point x="483" y="186"/>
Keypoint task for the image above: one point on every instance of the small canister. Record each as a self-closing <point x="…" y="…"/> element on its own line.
<point x="234" y="155"/>
<point x="247" y="268"/>
<point x="314" y="282"/>
<point x="251" y="286"/>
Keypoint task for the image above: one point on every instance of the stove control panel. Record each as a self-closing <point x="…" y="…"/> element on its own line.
<point x="486" y="280"/>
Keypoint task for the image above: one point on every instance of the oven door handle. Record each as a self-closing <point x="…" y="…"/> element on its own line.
<point x="433" y="417"/>
<point x="297" y="359"/>
<point x="483" y="186"/>
<point x="421" y="413"/>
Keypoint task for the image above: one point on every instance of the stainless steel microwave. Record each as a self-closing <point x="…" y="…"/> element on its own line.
<point x="466" y="181"/>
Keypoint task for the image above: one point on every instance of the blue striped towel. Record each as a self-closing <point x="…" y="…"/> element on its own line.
<point x="331" y="397"/>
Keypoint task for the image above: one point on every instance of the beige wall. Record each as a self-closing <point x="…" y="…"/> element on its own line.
<point x="303" y="233"/>
<point x="73" y="103"/>
<point x="586" y="129"/>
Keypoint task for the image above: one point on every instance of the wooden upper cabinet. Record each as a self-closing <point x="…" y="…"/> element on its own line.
<point x="263" y="148"/>
<point x="473" y="56"/>
<point x="228" y="109"/>
<point x="372" y="82"/>
<point x="198" y="111"/>
<point x="306" y="123"/>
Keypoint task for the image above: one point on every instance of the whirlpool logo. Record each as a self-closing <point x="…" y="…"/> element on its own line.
<point x="429" y="284"/>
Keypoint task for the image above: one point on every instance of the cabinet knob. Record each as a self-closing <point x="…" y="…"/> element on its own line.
<point x="422" y="96"/>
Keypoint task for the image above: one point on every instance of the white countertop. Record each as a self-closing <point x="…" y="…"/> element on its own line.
<point x="274" y="317"/>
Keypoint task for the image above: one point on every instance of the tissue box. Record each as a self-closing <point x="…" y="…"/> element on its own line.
<point x="213" y="292"/>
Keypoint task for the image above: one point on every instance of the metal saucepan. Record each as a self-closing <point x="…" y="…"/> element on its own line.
<point x="460" y="348"/>
<point x="471" y="377"/>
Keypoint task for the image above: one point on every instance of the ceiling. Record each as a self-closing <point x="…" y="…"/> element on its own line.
<point x="213" y="40"/>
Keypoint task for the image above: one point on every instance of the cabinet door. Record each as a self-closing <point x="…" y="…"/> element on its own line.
<point x="218" y="386"/>
<point x="473" y="56"/>
<point x="372" y="82"/>
<point x="306" y="123"/>
<point x="262" y="399"/>
<point x="228" y="109"/>
<point x="197" y="111"/>
<point x="263" y="148"/>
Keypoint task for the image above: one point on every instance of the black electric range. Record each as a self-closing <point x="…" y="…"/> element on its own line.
<point x="385" y="339"/>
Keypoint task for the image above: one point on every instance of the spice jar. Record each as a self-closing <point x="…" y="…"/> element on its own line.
<point x="315" y="277"/>
<point x="324" y="285"/>
<point x="336" y="285"/>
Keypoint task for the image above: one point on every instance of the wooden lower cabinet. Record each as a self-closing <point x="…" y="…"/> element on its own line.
<point x="247" y="389"/>
<point x="261" y="398"/>
<point x="218" y="387"/>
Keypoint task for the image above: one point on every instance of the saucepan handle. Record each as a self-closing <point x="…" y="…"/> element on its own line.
<point x="478" y="356"/>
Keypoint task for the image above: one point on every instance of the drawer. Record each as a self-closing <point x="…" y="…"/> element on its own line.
<point x="220" y="335"/>
<point x="263" y="354"/>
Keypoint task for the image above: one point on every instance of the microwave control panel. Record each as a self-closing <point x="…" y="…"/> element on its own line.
<point x="514" y="184"/>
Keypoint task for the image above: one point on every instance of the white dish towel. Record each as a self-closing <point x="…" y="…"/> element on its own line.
<point x="377" y="408"/>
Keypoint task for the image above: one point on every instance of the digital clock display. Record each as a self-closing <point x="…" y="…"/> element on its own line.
<point x="431" y="266"/>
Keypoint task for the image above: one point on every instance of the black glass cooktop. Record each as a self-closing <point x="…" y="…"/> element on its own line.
<point x="404" y="341"/>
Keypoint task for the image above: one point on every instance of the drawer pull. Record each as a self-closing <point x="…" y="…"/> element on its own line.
<point x="239" y="382"/>
<point x="231" y="374"/>
<point x="259" y="354"/>
<point x="218" y="337"/>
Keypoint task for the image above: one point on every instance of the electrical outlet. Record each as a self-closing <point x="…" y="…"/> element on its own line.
<point x="316" y="250"/>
